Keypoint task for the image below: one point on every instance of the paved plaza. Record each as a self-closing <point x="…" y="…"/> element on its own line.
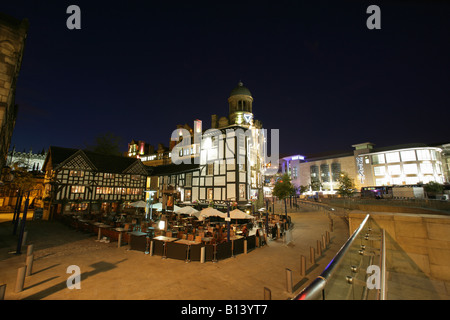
<point x="109" y="272"/>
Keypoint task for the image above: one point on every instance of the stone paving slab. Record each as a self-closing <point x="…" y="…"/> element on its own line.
<point x="108" y="272"/>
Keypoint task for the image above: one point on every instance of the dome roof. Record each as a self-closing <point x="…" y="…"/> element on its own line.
<point x="240" y="89"/>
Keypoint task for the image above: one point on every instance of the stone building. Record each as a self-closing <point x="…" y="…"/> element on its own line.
<point x="382" y="168"/>
<point x="31" y="161"/>
<point x="13" y="34"/>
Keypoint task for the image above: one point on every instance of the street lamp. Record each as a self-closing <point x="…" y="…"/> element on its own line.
<point x="228" y="219"/>
<point x="149" y="203"/>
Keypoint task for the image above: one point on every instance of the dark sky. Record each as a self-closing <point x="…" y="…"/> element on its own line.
<point x="316" y="72"/>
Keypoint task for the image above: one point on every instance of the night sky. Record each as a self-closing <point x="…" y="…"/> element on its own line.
<point x="316" y="72"/>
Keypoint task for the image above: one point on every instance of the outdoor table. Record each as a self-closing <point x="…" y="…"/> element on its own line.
<point x="100" y="226"/>
<point x="119" y="241"/>
<point x="138" y="241"/>
<point x="166" y="239"/>
<point x="207" y="239"/>
<point x="187" y="242"/>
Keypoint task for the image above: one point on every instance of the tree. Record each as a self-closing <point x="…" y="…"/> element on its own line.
<point x="432" y="188"/>
<point x="106" y="143"/>
<point x="315" y="185"/>
<point x="346" y="185"/>
<point x="283" y="189"/>
<point x="303" y="189"/>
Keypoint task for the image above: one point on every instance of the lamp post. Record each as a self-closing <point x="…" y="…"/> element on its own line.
<point x="228" y="219"/>
<point x="149" y="203"/>
<point x="22" y="226"/>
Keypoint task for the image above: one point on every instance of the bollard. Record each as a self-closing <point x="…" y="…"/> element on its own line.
<point x="319" y="248"/>
<point x="99" y="233"/>
<point x="2" y="291"/>
<point x="151" y="248"/>
<point x="29" y="263"/>
<point x="202" y="254"/>
<point x="119" y="241"/>
<point x="267" y="294"/>
<point x="24" y="239"/>
<point x="324" y="244"/>
<point x="328" y="238"/>
<point x="331" y="225"/>
<point x="245" y="246"/>
<point x="20" y="279"/>
<point x="288" y="280"/>
<point x="303" y="266"/>
<point x="30" y="249"/>
<point x="312" y="258"/>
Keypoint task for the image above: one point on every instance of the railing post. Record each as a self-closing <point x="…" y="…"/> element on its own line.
<point x="202" y="254"/>
<point x="288" y="280"/>
<point x="312" y="257"/>
<point x="267" y="294"/>
<point x="324" y="244"/>
<point x="29" y="263"/>
<point x="303" y="266"/>
<point x="20" y="279"/>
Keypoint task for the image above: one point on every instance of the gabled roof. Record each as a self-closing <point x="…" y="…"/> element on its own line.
<point x="60" y="157"/>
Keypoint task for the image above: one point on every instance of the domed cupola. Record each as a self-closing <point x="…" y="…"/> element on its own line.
<point x="240" y="102"/>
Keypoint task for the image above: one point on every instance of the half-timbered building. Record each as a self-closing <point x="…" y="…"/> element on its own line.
<point x="84" y="180"/>
<point x="224" y="164"/>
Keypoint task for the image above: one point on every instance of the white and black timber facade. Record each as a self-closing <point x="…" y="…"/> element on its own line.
<point x="226" y="164"/>
<point x="75" y="176"/>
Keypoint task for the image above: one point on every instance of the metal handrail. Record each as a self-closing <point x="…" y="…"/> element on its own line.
<point x="383" y="289"/>
<point x="312" y="291"/>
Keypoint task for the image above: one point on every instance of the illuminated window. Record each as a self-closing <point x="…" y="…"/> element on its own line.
<point x="76" y="173"/>
<point x="395" y="169"/>
<point x="378" y="159"/>
<point x="135" y="177"/>
<point x="412" y="180"/>
<point x="105" y="190"/>
<point x="210" y="193"/>
<point x="410" y="168"/>
<point x="108" y="175"/>
<point x="120" y="191"/>
<point x="242" y="191"/>
<point x="325" y="172"/>
<point x="188" y="181"/>
<point x="426" y="168"/>
<point x="397" y="181"/>
<point x="380" y="182"/>
<point x="433" y="154"/>
<point x="77" y="189"/>
<point x="335" y="171"/>
<point x="210" y="169"/>
<point x="409" y="155"/>
<point x="423" y="155"/>
<point x="187" y="195"/>
<point x="379" y="171"/>
<point x="392" y="157"/>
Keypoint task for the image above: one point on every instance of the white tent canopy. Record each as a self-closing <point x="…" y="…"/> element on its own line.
<point x="139" y="204"/>
<point x="238" y="214"/>
<point x="186" y="210"/>
<point x="158" y="207"/>
<point x="210" y="212"/>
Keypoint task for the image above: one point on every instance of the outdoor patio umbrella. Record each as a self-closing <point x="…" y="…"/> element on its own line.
<point x="238" y="214"/>
<point x="186" y="210"/>
<point x="139" y="204"/>
<point x="210" y="212"/>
